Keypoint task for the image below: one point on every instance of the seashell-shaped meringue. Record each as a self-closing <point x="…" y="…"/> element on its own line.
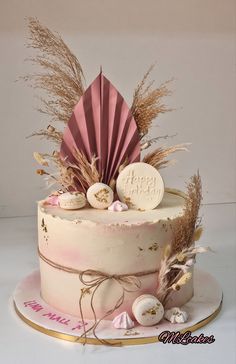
<point x="118" y="206"/>
<point x="176" y="316"/>
<point x="123" y="321"/>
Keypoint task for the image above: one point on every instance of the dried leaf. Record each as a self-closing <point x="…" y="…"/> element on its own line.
<point x="197" y="233"/>
<point x="184" y="279"/>
<point x="40" y="159"/>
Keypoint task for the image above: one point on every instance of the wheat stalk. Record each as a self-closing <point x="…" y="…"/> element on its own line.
<point x="62" y="77"/>
<point x="147" y="102"/>
<point x="71" y="176"/>
<point x="185" y="225"/>
<point x="50" y="134"/>
<point x="157" y="158"/>
<point x="85" y="172"/>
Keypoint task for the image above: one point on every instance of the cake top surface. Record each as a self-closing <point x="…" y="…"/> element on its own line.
<point x="171" y="206"/>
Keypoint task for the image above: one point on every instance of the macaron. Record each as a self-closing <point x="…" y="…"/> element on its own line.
<point x="100" y="196"/>
<point x="72" y="200"/>
<point x="147" y="310"/>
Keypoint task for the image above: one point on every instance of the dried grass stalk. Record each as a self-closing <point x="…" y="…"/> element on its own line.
<point x="71" y="177"/>
<point x="63" y="76"/>
<point x="186" y="225"/>
<point x="157" y="158"/>
<point x="180" y="254"/>
<point x="50" y="134"/>
<point x="147" y="143"/>
<point x="62" y="177"/>
<point x="85" y="172"/>
<point x="147" y="103"/>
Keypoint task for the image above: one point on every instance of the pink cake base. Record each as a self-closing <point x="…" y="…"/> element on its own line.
<point x="31" y="308"/>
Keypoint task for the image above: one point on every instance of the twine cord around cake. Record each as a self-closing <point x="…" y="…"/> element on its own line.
<point x="92" y="280"/>
<point x="94" y="283"/>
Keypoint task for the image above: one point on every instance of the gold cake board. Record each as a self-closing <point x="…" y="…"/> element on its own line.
<point x="29" y="306"/>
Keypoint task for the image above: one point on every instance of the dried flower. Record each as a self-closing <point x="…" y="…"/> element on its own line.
<point x="182" y="281"/>
<point x="41" y="172"/>
<point x="40" y="159"/>
<point x="172" y="274"/>
<point x="50" y="128"/>
<point x="167" y="251"/>
<point x="85" y="172"/>
<point x="197" y="233"/>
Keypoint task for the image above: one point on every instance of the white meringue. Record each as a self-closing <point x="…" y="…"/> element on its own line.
<point x="118" y="206"/>
<point x="123" y="321"/>
<point x="176" y="316"/>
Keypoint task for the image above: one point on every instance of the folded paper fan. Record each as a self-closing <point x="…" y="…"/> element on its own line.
<point x="102" y="126"/>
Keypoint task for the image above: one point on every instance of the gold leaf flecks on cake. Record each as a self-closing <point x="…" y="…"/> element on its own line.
<point x="128" y="202"/>
<point x="131" y="333"/>
<point x="44" y="226"/>
<point x="153" y="247"/>
<point x="85" y="291"/>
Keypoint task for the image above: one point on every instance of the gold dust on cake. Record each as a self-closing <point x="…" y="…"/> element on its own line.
<point x="131" y="333"/>
<point x="154" y="247"/>
<point x="85" y="291"/>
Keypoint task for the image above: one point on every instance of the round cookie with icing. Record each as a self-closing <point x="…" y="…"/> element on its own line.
<point x="100" y="195"/>
<point x="72" y="200"/>
<point x="147" y="310"/>
<point x="140" y="186"/>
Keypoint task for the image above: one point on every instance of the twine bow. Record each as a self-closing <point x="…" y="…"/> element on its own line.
<point x="92" y="280"/>
<point x="124" y="281"/>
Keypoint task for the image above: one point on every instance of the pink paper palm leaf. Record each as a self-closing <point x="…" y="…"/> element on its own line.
<point x="102" y="126"/>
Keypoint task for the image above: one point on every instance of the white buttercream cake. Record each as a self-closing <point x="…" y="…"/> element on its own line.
<point x="119" y="243"/>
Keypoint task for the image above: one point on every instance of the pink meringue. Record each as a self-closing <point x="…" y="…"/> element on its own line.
<point x="118" y="206"/>
<point x="52" y="200"/>
<point x="123" y="321"/>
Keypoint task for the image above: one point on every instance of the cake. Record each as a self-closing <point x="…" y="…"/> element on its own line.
<point x="114" y="243"/>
